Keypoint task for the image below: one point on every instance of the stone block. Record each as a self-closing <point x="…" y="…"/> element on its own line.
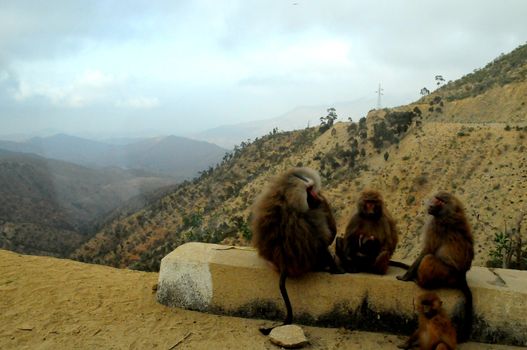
<point x="235" y="281"/>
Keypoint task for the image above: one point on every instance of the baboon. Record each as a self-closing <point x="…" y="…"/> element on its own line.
<point x="435" y="330"/>
<point x="370" y="238"/>
<point x="293" y="226"/>
<point x="447" y="252"/>
<point x="358" y="253"/>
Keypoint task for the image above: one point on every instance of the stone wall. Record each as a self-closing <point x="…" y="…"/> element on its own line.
<point x="235" y="281"/>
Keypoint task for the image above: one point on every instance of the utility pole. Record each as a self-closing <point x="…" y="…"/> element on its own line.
<point x="379" y="94"/>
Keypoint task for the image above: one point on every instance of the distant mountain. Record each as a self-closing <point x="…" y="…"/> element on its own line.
<point x="72" y="149"/>
<point x="299" y="118"/>
<point x="50" y="207"/>
<point x="122" y="140"/>
<point x="14" y="137"/>
<point x="179" y="157"/>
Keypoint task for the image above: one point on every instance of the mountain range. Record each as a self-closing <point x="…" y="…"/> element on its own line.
<point x="178" y="157"/>
<point x="50" y="207"/>
<point x="56" y="191"/>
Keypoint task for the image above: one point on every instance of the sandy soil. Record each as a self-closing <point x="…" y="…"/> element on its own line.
<point x="48" y="303"/>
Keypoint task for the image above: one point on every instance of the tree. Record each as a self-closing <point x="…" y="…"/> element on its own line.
<point x="352" y="128"/>
<point x="362" y="123"/>
<point x="425" y="91"/>
<point x="439" y="80"/>
<point x="382" y="133"/>
<point x="327" y="121"/>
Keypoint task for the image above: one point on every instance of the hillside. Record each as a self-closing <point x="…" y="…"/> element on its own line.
<point x="495" y="93"/>
<point x="50" y="207"/>
<point x="473" y="146"/>
<point x="504" y="70"/>
<point x="179" y="157"/>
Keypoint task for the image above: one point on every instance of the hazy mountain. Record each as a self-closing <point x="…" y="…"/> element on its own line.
<point x="14" y="137"/>
<point x="50" y="207"/>
<point x="122" y="140"/>
<point x="179" y="157"/>
<point x="173" y="155"/>
<point x="72" y="149"/>
<point x="298" y="118"/>
<point x="447" y="140"/>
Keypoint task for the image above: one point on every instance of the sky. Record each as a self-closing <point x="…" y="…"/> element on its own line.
<point x="145" y="68"/>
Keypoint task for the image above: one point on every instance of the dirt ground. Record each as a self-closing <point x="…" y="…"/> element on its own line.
<point x="48" y="303"/>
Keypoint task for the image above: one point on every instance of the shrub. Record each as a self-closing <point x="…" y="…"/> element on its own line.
<point x="505" y="247"/>
<point x="421" y="179"/>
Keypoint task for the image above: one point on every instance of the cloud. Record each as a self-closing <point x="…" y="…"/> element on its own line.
<point x="4" y="76"/>
<point x="92" y="86"/>
<point x="95" y="78"/>
<point x="309" y="61"/>
<point x="8" y="79"/>
<point x="138" y="103"/>
<point x="232" y="61"/>
<point x="34" y="30"/>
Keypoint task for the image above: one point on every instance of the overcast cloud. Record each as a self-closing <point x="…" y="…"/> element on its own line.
<point x="178" y="67"/>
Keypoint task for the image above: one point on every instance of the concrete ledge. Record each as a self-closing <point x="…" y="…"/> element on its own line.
<point x="235" y="281"/>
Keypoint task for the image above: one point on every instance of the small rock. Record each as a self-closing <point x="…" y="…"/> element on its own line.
<point x="289" y="336"/>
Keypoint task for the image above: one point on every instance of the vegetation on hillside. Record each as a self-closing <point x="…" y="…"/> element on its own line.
<point x="510" y="250"/>
<point x="505" y="69"/>
<point x="51" y="207"/>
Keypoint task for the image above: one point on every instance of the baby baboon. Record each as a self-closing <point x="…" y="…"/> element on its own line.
<point x="435" y="330"/>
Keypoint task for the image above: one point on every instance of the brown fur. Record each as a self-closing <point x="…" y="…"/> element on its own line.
<point x="447" y="252"/>
<point x="370" y="238"/>
<point x="435" y="330"/>
<point x="293" y="226"/>
<point x="286" y="232"/>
